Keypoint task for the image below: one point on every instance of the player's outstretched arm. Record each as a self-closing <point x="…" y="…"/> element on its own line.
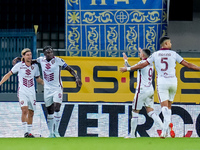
<point x="190" y="65"/>
<point x="135" y="67"/>
<point x="5" y="78"/>
<point x="78" y="80"/>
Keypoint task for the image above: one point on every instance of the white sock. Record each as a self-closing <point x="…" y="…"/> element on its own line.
<point x="29" y="127"/>
<point x="156" y="119"/>
<point x="170" y="112"/>
<point x="24" y="126"/>
<point x="50" y="122"/>
<point x="166" y="115"/>
<point x="57" y="118"/>
<point x="134" y="122"/>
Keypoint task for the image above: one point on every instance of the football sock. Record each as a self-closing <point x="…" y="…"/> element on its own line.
<point x="29" y="127"/>
<point x="170" y="112"/>
<point x="57" y="118"/>
<point x="156" y="118"/>
<point x="50" y="122"/>
<point x="166" y="115"/>
<point x="134" y="122"/>
<point x="24" y="126"/>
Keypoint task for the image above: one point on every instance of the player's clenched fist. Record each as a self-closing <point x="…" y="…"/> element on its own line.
<point x="78" y="82"/>
<point x="123" y="69"/>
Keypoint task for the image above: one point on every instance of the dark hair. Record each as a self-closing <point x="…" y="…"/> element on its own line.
<point x="147" y="51"/>
<point x="163" y="38"/>
<point x="47" y="47"/>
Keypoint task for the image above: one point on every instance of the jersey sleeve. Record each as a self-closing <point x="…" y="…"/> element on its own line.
<point x="150" y="59"/>
<point x="37" y="72"/>
<point x="179" y="59"/>
<point x="38" y="59"/>
<point x="15" y="69"/>
<point x="61" y="63"/>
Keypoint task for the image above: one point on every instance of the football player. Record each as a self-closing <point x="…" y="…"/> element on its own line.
<point x="26" y="90"/>
<point x="165" y="63"/>
<point x="144" y="95"/>
<point x="53" y="89"/>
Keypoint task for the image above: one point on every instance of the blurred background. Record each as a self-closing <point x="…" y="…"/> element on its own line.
<point x="49" y="15"/>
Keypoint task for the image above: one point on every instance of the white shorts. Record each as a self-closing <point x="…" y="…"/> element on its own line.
<point x="52" y="95"/>
<point x="143" y="99"/>
<point x="27" y="100"/>
<point x="166" y="92"/>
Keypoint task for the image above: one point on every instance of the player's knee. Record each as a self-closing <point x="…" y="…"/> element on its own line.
<point x="150" y="113"/>
<point x="24" y="110"/>
<point x="30" y="113"/>
<point x="50" y="109"/>
<point x="57" y="107"/>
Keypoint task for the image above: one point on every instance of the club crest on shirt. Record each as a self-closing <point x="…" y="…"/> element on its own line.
<point x="22" y="102"/>
<point x="53" y="61"/>
<point x="32" y="67"/>
<point x="59" y="95"/>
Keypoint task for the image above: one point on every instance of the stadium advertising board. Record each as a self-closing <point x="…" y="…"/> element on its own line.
<point x="99" y="120"/>
<point x="102" y="81"/>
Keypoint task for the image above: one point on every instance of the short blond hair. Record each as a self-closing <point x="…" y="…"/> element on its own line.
<point x="24" y="51"/>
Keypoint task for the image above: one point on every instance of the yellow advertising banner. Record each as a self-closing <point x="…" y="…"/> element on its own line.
<point x="102" y="81"/>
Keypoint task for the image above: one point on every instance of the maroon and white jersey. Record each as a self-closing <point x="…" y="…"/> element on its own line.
<point x="26" y="75"/>
<point x="144" y="77"/>
<point x="51" y="72"/>
<point x="165" y="63"/>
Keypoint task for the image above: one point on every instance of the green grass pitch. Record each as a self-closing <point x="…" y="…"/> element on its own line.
<point x="101" y="143"/>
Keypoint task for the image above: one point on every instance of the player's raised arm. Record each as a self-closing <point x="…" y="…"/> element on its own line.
<point x="6" y="77"/>
<point x="190" y="65"/>
<point x="78" y="80"/>
<point x="125" y="60"/>
<point x="18" y="59"/>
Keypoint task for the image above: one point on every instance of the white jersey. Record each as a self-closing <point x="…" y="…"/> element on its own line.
<point x="51" y="72"/>
<point x="144" y="77"/>
<point x="26" y="76"/>
<point x="165" y="63"/>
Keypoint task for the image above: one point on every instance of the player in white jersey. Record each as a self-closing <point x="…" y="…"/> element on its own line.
<point x="53" y="90"/>
<point x="165" y="61"/>
<point x="144" y="95"/>
<point x="26" y="90"/>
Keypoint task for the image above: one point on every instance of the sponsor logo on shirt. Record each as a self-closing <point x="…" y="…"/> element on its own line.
<point x="23" y="67"/>
<point x="48" y="77"/>
<point x="28" y="83"/>
<point x="48" y="66"/>
<point x="28" y="72"/>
